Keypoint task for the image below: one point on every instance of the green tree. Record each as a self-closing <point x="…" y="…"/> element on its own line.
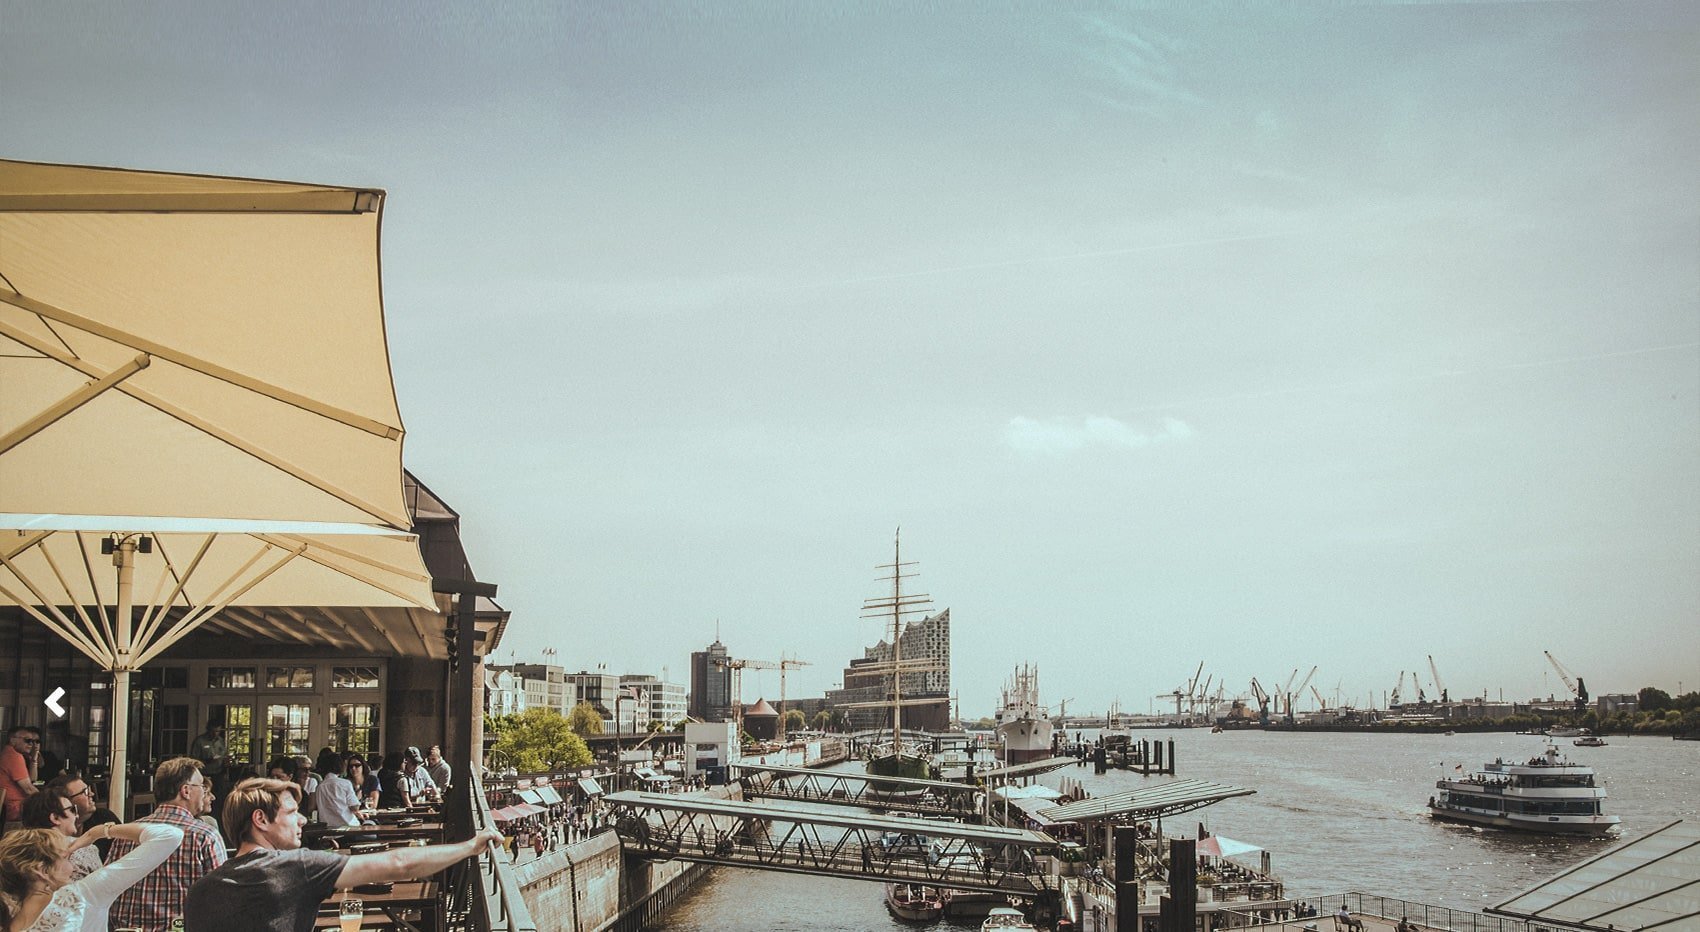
<point x="1652" y="699"/>
<point x="584" y="720"/>
<point x="792" y="720"/>
<point x="540" y="739"/>
<point x="821" y="721"/>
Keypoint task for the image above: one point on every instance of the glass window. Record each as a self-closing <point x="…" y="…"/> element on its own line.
<point x="354" y="727"/>
<point x="287" y="730"/>
<point x="172" y="738"/>
<point x="354" y="677"/>
<point x="238" y="731"/>
<point x="230" y="677"/>
<point x="289" y="677"/>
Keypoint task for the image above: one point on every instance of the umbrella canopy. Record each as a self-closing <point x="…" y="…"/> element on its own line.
<point x="197" y="393"/>
<point x="1223" y="847"/>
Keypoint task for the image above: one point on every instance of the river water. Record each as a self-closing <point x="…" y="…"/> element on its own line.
<point x="1339" y="812"/>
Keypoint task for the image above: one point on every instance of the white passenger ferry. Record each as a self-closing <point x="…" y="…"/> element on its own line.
<point x="1545" y="794"/>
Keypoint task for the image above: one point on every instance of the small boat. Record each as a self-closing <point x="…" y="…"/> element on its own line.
<point x="914" y="902"/>
<point x="1216" y="730"/>
<point x="1588" y="740"/>
<point x="1448" y="733"/>
<point x="1003" y="917"/>
<point x="1565" y="732"/>
<point x="1548" y="794"/>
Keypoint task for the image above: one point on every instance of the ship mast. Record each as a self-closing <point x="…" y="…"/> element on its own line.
<point x="895" y="606"/>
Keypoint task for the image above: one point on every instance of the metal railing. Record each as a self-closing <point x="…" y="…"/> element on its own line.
<point x="482" y="894"/>
<point x="1390" y="909"/>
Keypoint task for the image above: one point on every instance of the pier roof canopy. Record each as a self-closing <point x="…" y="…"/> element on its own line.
<point x="1149" y="803"/>
<point x="1652" y="882"/>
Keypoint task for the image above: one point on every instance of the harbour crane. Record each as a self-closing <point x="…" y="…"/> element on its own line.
<point x="1394" y="701"/>
<point x="1320" y="702"/>
<point x="1186" y="693"/>
<point x="1438" y="685"/>
<point x="1578" y="688"/>
<point x="1299" y="691"/>
<point x="1417" y="684"/>
<point x="1262" y="702"/>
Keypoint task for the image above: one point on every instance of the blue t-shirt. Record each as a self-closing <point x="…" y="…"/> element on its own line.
<point x="269" y="891"/>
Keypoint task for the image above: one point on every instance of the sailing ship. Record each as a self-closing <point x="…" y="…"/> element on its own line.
<point x="894" y="755"/>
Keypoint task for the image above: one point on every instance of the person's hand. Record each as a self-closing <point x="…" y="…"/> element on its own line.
<point x="482" y="841"/>
<point x="98" y="833"/>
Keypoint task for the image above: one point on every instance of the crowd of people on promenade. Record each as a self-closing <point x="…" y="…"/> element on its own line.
<point x="67" y="865"/>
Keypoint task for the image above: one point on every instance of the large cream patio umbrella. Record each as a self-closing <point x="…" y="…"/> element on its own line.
<point x="196" y="407"/>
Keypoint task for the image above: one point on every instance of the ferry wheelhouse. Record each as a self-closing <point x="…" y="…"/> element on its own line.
<point x="1546" y="794"/>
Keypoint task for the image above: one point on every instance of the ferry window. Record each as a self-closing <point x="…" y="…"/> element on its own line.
<point x="287" y="730"/>
<point x="354" y="727"/>
<point x="230" y="677"/>
<point x="354" y="677"/>
<point x="289" y="677"/>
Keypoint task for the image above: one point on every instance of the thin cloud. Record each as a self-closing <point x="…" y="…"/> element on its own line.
<point x="1061" y="436"/>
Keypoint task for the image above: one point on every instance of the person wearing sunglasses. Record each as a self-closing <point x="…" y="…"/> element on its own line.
<point x="18" y="761"/>
<point x="52" y="809"/>
<point x="184" y="795"/>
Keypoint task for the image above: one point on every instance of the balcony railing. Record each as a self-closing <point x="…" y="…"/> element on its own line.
<point x="481" y="894"/>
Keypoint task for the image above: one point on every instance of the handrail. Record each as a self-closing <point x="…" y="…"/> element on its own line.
<point x="1389" y="908"/>
<point x="495" y="903"/>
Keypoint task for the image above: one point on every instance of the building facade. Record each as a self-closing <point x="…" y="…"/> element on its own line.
<point x="711" y="684"/>
<point x="867" y="680"/>
<point x="504" y="692"/>
<point x="667" y="702"/>
<point x="546" y="687"/>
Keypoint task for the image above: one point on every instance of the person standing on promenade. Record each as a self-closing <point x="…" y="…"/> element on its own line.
<point x="18" y="761"/>
<point x="275" y="885"/>
<point x="184" y="796"/>
<point x="213" y="752"/>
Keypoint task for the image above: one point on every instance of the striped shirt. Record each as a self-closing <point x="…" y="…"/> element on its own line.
<point x="156" y="899"/>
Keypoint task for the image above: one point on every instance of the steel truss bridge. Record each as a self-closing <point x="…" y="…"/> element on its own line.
<point x="900" y="794"/>
<point x="832" y="842"/>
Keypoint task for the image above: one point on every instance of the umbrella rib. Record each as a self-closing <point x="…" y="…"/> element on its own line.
<point x="74" y="602"/>
<point x="158" y="616"/>
<point x="307" y="550"/>
<point x="351" y="556"/>
<point x="106" y="625"/>
<point x="76" y="399"/>
<point x="328" y="613"/>
<point x="71" y="635"/>
<point x="204" y="367"/>
<point x="200" y="424"/>
<point x="379" y="627"/>
<point x="183" y="627"/>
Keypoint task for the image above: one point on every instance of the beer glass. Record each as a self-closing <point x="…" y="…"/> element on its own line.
<point x="351" y="911"/>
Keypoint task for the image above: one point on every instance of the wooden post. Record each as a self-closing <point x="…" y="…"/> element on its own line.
<point x="1127" y="879"/>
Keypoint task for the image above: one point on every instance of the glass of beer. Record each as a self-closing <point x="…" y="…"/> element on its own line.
<point x="351" y="911"/>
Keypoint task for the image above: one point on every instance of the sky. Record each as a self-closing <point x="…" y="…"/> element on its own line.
<point x="1266" y="336"/>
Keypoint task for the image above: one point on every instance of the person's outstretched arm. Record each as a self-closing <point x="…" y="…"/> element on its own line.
<point x="412" y="863"/>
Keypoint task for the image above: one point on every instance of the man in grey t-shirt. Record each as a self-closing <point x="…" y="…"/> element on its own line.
<point x="273" y="884"/>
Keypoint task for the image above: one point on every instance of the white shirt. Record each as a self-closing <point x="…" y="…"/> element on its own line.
<point x="81" y="905"/>
<point x="337" y="802"/>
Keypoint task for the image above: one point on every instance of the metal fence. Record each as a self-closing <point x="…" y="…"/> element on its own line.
<point x="1388" y="908"/>
<point x="481" y="894"/>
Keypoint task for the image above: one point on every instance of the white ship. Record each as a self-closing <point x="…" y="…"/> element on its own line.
<point x="1022" y="726"/>
<point x="1546" y="794"/>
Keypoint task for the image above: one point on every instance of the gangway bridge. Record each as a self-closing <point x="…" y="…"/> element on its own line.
<point x="832" y="841"/>
<point x="847" y="788"/>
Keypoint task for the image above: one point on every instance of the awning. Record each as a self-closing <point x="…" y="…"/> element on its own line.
<point x="1036" y="791"/>
<point x="551" y="797"/>
<point x="1648" y="883"/>
<point x="589" y="786"/>
<point x="531" y="796"/>
<point x="527" y="809"/>
<point x="1222" y="847"/>
<point x="1150" y="803"/>
<point x="1034" y="808"/>
<point x="505" y="814"/>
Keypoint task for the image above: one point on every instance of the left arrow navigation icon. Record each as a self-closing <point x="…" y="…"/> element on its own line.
<point x="52" y="702"/>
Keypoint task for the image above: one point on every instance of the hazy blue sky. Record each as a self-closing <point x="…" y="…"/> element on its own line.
<point x="1268" y="336"/>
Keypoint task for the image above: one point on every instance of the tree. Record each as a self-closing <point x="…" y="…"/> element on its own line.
<point x="1652" y="699"/>
<point x="792" y="720"/>
<point x="539" y="739"/>
<point x="822" y="719"/>
<point x="584" y="720"/>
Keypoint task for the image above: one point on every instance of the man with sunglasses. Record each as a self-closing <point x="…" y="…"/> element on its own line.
<point x="53" y="810"/>
<point x="183" y="795"/>
<point x="18" y="761"/>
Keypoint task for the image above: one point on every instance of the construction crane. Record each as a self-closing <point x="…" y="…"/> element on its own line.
<point x="1578" y="688"/>
<point x="1438" y="685"/>
<point x="786" y="664"/>
<point x="1185" y="693"/>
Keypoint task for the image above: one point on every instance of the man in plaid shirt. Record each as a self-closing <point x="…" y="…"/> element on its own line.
<point x="183" y="796"/>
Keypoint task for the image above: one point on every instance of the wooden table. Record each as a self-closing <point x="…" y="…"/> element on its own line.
<point x="410" y="904"/>
<point x="344" y="835"/>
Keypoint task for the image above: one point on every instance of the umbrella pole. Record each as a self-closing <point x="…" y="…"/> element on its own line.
<point x="124" y="558"/>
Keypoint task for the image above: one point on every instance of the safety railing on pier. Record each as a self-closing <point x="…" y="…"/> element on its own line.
<point x="482" y="894"/>
<point x="1391" y="909"/>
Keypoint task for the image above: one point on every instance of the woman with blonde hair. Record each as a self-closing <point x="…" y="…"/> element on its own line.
<point x="37" y="893"/>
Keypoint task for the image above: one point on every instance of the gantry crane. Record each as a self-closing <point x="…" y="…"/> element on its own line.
<point x="1439" y="687"/>
<point x="1185" y="693"/>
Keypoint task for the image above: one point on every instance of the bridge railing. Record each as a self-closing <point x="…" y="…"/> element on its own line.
<point x="1391" y="909"/>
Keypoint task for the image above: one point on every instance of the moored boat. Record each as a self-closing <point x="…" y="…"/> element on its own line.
<point x="1004" y="917"/>
<point x="1022" y="725"/>
<point x="914" y="902"/>
<point x="1547" y="794"/>
<point x="1589" y="740"/>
